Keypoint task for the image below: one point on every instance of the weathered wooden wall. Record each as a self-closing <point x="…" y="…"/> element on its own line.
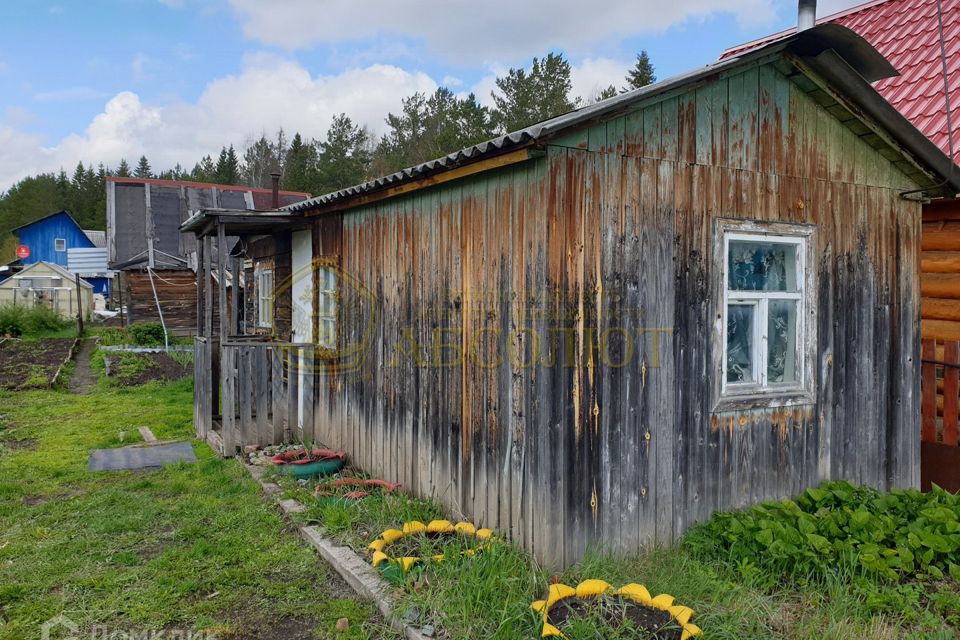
<point x="611" y="233"/>
<point x="271" y="252"/>
<point x="176" y="290"/>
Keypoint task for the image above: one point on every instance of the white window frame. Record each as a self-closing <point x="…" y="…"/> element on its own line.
<point x="58" y="243"/>
<point x="759" y="391"/>
<point x="265" y="289"/>
<point x="327" y="301"/>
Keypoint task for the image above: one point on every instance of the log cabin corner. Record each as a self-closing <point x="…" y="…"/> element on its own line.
<point x="603" y="328"/>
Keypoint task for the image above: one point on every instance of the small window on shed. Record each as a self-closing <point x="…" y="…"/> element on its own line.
<point x="327" y="311"/>
<point x="60" y="244"/>
<point x="765" y="318"/>
<point x="265" y="297"/>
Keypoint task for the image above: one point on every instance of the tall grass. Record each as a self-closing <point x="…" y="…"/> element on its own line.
<point x="35" y="321"/>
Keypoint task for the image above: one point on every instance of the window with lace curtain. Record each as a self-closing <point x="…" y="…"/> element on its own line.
<point x="764" y="312"/>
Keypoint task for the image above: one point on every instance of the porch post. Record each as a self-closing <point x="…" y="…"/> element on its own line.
<point x="201" y="287"/>
<point x="222" y="260"/>
<point x="207" y="289"/>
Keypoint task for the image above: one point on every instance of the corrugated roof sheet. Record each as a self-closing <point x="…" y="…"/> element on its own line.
<point x="906" y="32"/>
<point x="98" y="238"/>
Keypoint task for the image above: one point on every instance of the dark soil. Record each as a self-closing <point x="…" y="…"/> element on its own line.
<point x="616" y="613"/>
<point x="159" y="366"/>
<point x="32" y="365"/>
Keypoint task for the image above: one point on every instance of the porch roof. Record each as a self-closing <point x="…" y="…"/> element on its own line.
<point x="238" y="222"/>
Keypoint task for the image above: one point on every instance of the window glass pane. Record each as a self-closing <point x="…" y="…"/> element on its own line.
<point x="782" y="341"/>
<point x="762" y="266"/>
<point x="740" y="319"/>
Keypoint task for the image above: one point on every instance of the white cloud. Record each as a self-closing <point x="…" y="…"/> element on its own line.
<point x="595" y="74"/>
<point x="269" y="93"/>
<point x="480" y="32"/>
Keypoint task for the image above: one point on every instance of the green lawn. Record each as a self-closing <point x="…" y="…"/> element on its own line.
<point x="189" y="547"/>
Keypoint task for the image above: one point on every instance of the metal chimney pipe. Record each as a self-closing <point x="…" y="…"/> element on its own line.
<point x="275" y="185"/>
<point x="807" y="15"/>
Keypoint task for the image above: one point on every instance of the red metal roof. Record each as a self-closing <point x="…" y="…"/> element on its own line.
<point x="906" y="33"/>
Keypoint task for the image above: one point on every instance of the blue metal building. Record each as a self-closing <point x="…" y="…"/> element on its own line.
<point x="51" y="238"/>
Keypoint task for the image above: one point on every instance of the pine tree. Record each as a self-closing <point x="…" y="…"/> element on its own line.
<point x="300" y="172"/>
<point x="259" y="161"/>
<point x="143" y="168"/>
<point x="123" y="170"/>
<point x="641" y="74"/>
<point x="525" y="98"/>
<point x="227" y="170"/>
<point x="430" y="127"/>
<point x="204" y="171"/>
<point x="344" y="156"/>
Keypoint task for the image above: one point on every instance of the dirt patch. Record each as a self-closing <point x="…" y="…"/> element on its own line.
<point x="83" y="377"/>
<point x="32" y="365"/>
<point x="134" y="369"/>
<point x="26" y="444"/>
<point x="624" y="618"/>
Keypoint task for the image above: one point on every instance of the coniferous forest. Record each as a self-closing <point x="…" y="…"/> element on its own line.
<point x="426" y="127"/>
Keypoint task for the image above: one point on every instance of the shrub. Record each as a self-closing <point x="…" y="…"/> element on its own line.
<point x="29" y="321"/>
<point x="147" y="334"/>
<point x="839" y="529"/>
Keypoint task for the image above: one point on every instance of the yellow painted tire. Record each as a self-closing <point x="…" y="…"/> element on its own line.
<point x="633" y="592"/>
<point x="378" y="548"/>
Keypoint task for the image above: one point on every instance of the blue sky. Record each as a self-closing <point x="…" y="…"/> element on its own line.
<point x="174" y="79"/>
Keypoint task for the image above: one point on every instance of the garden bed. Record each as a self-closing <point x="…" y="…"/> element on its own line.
<point x="737" y="593"/>
<point x="27" y="364"/>
<point x="128" y="369"/>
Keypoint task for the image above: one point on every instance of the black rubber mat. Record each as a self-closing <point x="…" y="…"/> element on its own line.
<point x="140" y="457"/>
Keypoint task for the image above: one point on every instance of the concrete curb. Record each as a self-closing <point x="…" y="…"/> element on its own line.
<point x="356" y="571"/>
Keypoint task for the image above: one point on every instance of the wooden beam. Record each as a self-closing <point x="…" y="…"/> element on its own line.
<point x="940" y="330"/>
<point x="474" y="168"/>
<point x="940" y="261"/>
<point x="207" y="288"/>
<point x="940" y="236"/>
<point x="222" y="260"/>
<point x="202" y="285"/>
<point x="940" y="285"/>
<point x="940" y="309"/>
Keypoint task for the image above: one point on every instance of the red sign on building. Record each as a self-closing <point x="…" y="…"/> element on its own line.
<point x="23" y="252"/>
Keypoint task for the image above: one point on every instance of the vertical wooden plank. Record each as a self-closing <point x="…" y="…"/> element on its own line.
<point x="704" y="124"/>
<point x="222" y="259"/>
<point x="244" y="395"/>
<point x="277" y="396"/>
<point x="229" y="419"/>
<point x="634" y="133"/>
<point x="669" y="131"/>
<point x="262" y="370"/>
<point x="652" y="131"/>
<point x="951" y="389"/>
<point x="929" y="390"/>
<point x="207" y="288"/>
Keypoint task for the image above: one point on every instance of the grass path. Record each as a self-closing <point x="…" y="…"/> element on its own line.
<point x="189" y="547"/>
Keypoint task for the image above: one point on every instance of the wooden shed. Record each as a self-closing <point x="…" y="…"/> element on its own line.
<point x="603" y="328"/>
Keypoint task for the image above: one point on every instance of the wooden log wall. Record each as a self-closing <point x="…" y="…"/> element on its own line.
<point x="940" y="312"/>
<point x="536" y="340"/>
